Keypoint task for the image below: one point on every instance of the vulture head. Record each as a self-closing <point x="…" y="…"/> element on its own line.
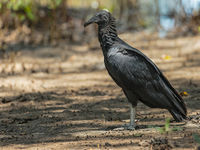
<point x="101" y="18"/>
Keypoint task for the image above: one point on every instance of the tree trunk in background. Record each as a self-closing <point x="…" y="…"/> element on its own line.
<point x="157" y="15"/>
<point x="180" y="15"/>
<point x="129" y="13"/>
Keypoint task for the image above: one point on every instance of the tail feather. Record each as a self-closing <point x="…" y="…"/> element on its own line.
<point x="178" y="109"/>
<point x="179" y="112"/>
<point x="180" y="102"/>
<point x="177" y="115"/>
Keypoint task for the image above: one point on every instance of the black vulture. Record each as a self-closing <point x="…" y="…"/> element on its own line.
<point x="139" y="78"/>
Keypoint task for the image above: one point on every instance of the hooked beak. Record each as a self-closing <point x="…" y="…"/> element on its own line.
<point x="90" y="21"/>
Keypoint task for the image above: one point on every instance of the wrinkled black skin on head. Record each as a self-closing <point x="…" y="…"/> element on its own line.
<point x="107" y="32"/>
<point x="101" y="18"/>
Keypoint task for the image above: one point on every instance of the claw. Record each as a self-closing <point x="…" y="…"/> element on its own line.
<point x="131" y="125"/>
<point x="130" y="128"/>
<point x="125" y="127"/>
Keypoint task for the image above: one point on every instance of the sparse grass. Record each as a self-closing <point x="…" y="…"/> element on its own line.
<point x="55" y="108"/>
<point x="196" y="137"/>
<point x="166" y="129"/>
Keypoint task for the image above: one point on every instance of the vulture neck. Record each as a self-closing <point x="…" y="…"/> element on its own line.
<point x="107" y="35"/>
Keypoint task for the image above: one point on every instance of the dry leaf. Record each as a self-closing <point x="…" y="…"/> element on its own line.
<point x="166" y="57"/>
<point x="184" y="93"/>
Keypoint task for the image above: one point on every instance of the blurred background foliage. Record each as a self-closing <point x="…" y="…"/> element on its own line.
<point x="33" y="22"/>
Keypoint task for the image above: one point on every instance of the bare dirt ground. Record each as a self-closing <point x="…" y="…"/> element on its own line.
<point x="62" y="98"/>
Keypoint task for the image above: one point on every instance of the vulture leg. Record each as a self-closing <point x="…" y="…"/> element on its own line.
<point x="132" y="118"/>
<point x="131" y="125"/>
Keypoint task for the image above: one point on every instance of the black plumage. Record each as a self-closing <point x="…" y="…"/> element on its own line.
<point x="140" y="79"/>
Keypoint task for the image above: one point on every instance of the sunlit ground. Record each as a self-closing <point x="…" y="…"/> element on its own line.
<point x="62" y="97"/>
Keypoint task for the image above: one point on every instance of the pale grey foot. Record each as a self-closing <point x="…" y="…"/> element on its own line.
<point x="131" y="125"/>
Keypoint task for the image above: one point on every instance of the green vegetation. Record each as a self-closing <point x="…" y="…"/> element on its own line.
<point x="167" y="128"/>
<point x="26" y="9"/>
<point x="196" y="137"/>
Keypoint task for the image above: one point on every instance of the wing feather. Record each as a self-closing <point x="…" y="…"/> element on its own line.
<point x="132" y="70"/>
